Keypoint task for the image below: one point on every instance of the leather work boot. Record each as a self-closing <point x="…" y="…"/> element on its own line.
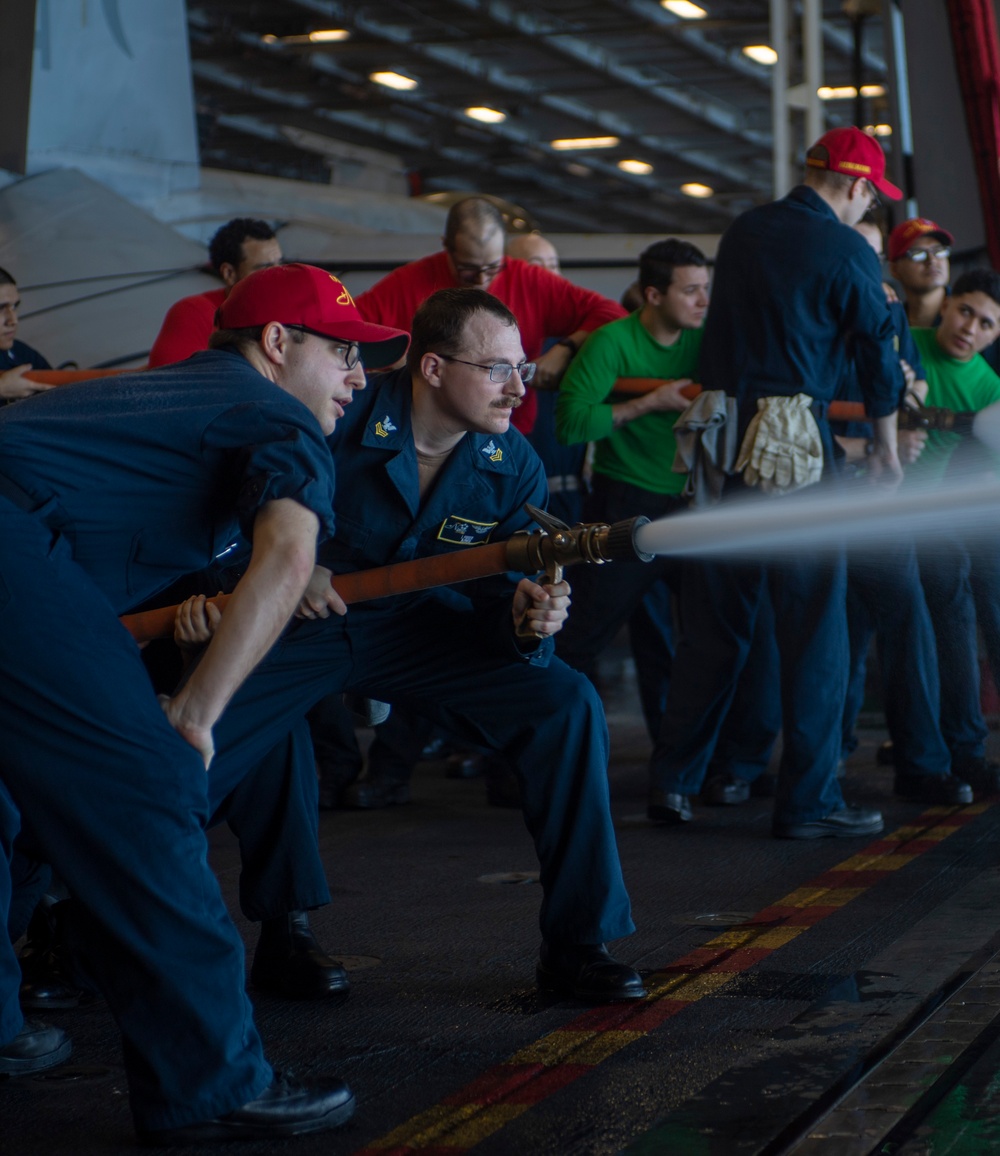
<point x="373" y="794"/>
<point x="725" y="791"/>
<point x="844" y="823"/>
<point x="48" y="978"/>
<point x="936" y="790"/>
<point x="283" y="1109"/>
<point x="669" y="807"/>
<point x="982" y="774"/>
<point x="290" y="963"/>
<point x="36" y="1048"/>
<point x="586" y="971"/>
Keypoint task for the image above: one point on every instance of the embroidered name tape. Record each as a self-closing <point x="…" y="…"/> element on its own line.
<point x="464" y="531"/>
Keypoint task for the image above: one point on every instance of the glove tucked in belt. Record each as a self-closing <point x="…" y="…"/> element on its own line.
<point x="782" y="450"/>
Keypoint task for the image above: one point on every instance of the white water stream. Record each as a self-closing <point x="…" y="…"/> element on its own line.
<point x="859" y="515"/>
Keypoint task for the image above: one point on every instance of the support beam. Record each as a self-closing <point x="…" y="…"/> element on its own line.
<point x="17" y="44"/>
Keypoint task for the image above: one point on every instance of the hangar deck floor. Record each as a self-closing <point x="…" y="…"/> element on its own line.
<point x="830" y="997"/>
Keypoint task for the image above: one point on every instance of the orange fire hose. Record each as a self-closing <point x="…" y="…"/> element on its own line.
<point x="838" y="411"/>
<point x="68" y="376"/>
<point x="554" y="546"/>
<point x="361" y="586"/>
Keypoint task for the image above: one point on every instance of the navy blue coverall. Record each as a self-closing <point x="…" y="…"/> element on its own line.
<point x="110" y="491"/>
<point x="450" y="654"/>
<point x="885" y="598"/>
<point x="790" y="283"/>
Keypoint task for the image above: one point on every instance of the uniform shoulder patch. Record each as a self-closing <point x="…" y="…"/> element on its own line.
<point x="465" y="531"/>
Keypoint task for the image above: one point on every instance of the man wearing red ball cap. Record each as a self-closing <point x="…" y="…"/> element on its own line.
<point x="109" y="492"/>
<point x="919" y="250"/>
<point x="790" y="282"/>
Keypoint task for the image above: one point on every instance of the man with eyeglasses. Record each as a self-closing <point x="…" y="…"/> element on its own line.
<point x="545" y="304"/>
<point x="919" y="250"/>
<point x="428" y="464"/>
<point x="109" y="491"/>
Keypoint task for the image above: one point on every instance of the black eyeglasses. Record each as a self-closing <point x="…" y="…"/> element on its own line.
<point x="474" y="272"/>
<point x="876" y="199"/>
<point x="919" y="256"/>
<point x="500" y="371"/>
<point x="350" y="349"/>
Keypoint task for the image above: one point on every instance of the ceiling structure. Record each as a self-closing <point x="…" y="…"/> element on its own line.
<point x="679" y="95"/>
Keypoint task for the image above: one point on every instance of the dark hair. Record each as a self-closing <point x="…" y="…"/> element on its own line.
<point x="439" y="324"/>
<point x="978" y="281"/>
<point x="226" y="247"/>
<point x="5" y="277"/>
<point x="658" y="262"/>
<point x="473" y="215"/>
<point x="240" y="340"/>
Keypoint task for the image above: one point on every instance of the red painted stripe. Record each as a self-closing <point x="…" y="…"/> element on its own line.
<point x="529" y="1084"/>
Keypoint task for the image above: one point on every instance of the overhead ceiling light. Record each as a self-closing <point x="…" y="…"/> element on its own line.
<point x="394" y="80"/>
<point x="486" y="115"/>
<point x="640" y="168"/>
<point x="849" y="92"/>
<point x="328" y="35"/>
<point x="762" y="53"/>
<point x="684" y="9"/>
<point x="320" y="36"/>
<point x="585" y="142"/>
<point x="878" y="129"/>
<point x="696" y="189"/>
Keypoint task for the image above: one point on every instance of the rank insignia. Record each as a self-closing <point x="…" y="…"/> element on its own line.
<point x="493" y="451"/>
<point x="464" y="531"/>
<point x="384" y="427"/>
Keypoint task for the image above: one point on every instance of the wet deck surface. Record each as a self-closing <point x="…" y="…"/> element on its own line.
<point x="824" y="997"/>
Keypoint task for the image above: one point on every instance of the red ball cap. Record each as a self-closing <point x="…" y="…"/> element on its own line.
<point x="311" y="299"/>
<point x="855" y="154"/>
<point x="902" y="237"/>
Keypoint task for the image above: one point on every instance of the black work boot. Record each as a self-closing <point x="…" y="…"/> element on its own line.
<point x="373" y="792"/>
<point x="290" y="963"/>
<point x="48" y="977"/>
<point x="36" y="1048"/>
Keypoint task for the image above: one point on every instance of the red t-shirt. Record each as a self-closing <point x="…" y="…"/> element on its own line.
<point x="545" y="305"/>
<point x="186" y="328"/>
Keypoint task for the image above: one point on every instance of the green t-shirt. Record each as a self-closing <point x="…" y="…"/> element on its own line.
<point x="965" y="386"/>
<point x="642" y="451"/>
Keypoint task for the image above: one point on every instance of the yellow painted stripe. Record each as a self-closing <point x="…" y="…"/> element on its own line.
<point x="569" y="1047"/>
<point x="884" y="862"/>
<point x="459" y="1127"/>
<point x="821" y="896"/>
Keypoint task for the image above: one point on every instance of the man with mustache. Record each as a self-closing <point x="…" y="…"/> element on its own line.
<point x="428" y="464"/>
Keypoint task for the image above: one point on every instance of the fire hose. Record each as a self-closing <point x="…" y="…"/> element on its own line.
<point x="913" y="415"/>
<point x="550" y="548"/>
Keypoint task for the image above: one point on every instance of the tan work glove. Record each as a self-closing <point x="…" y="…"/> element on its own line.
<point x="782" y="450"/>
